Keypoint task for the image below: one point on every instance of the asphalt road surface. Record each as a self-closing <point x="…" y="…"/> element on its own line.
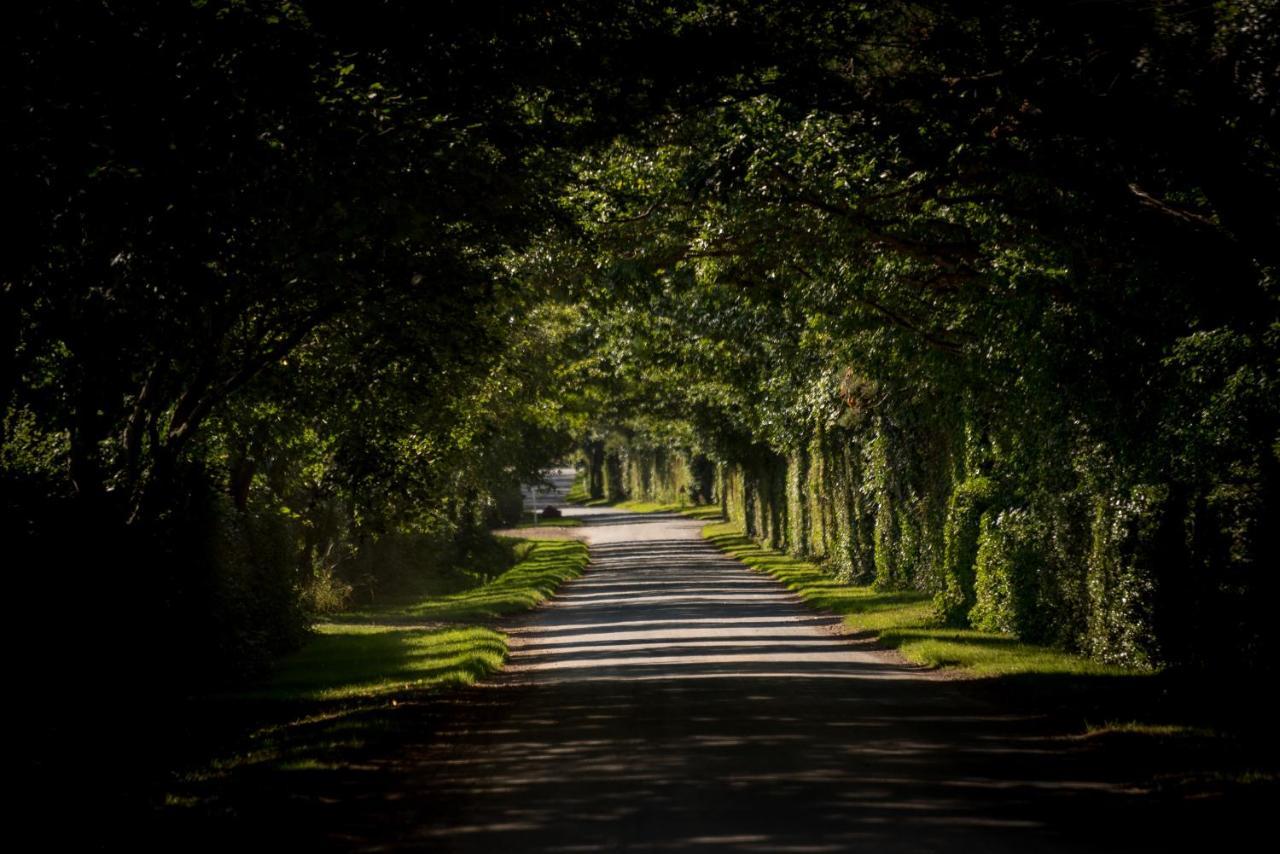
<point x="673" y="700"/>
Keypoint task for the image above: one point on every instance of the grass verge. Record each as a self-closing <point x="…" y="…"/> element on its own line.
<point x="544" y="565"/>
<point x="543" y="522"/>
<point x="578" y="493"/>
<point x="693" y="511"/>
<point x="905" y="620"/>
<point x="366" y="678"/>
<point x="350" y="690"/>
<point x="345" y="662"/>
<point x="1192" y="735"/>
<point x="374" y="652"/>
<point x="638" y="506"/>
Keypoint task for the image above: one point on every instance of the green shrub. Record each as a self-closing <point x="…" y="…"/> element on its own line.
<point x="968" y="502"/>
<point x="908" y="557"/>
<point x="1008" y="567"/>
<point x="1121" y="576"/>
<point x="798" y="527"/>
<point x="424" y="563"/>
<point x="886" y="545"/>
<point x="325" y="592"/>
<point x="578" y="492"/>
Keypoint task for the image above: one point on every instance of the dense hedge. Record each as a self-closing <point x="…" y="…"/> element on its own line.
<point x="990" y="313"/>
<point x="1113" y="572"/>
<point x="621" y="470"/>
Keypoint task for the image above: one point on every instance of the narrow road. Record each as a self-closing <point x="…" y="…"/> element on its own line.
<point x="671" y="699"/>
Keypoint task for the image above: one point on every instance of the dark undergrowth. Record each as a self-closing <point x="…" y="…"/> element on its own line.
<point x="365" y="679"/>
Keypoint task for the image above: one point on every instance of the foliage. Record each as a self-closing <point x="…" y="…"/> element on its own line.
<point x="578" y="493"/>
<point x="545" y="565"/>
<point x="905" y="621"/>
<point x="969" y="503"/>
<point x="268" y="258"/>
<point x="937" y="264"/>
<point x="1007" y="571"/>
<point x="318" y="281"/>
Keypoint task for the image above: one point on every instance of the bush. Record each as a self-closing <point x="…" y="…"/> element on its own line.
<point x="508" y="506"/>
<point x="1007" y="577"/>
<point x="325" y="592"/>
<point x="1121" y="576"/>
<point x="968" y="502"/>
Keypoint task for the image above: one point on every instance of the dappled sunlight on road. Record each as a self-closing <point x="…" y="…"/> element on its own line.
<point x="672" y="700"/>
<point x="705" y="617"/>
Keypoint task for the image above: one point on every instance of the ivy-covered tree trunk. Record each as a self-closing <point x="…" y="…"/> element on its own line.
<point x="595" y="469"/>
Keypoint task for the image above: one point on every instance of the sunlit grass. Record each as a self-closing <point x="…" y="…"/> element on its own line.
<point x="905" y="620"/>
<point x="544" y="566"/>
<point x="557" y="522"/>
<point x="330" y="701"/>
<point x="638" y="506"/>
<point x="705" y="512"/>
<point x="578" y="493"/>
<point x="693" y="511"/>
<point x="345" y="661"/>
<point x="373" y="652"/>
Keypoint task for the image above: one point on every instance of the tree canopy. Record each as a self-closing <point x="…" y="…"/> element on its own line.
<point x="976" y="298"/>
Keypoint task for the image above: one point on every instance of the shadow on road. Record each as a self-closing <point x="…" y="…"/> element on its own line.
<point x="671" y="700"/>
